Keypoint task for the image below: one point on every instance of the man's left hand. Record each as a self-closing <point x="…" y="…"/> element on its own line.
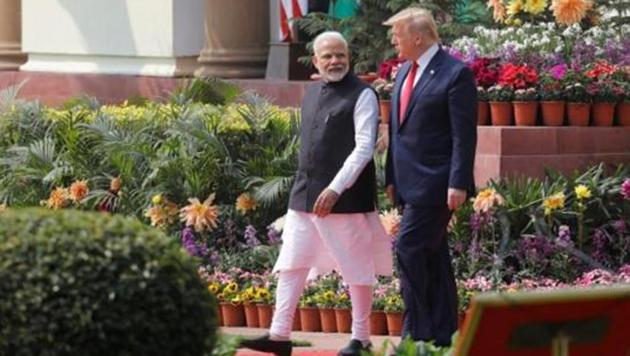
<point x="455" y="198"/>
<point x="325" y="202"/>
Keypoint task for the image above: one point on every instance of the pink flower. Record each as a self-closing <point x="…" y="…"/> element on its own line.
<point x="558" y="71"/>
<point x="625" y="189"/>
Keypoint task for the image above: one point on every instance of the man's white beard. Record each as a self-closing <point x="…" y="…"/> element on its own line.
<point x="333" y="76"/>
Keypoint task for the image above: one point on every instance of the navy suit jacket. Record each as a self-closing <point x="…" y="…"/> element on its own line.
<point x="434" y="147"/>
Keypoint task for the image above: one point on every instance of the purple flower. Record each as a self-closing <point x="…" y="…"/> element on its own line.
<point x="558" y="71"/>
<point x="250" y="236"/>
<point x="535" y="248"/>
<point x="191" y="245"/>
<point x="625" y="189"/>
<point x="564" y="237"/>
<point x="273" y="236"/>
<point x="620" y="226"/>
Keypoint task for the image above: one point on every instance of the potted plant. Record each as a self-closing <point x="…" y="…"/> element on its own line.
<point x="486" y="75"/>
<point x="605" y="94"/>
<point x="231" y="306"/>
<point x="343" y="313"/>
<point x="393" y="312"/>
<point x="264" y="306"/>
<point x="383" y="88"/>
<point x="623" y="108"/>
<point x="525" y="106"/>
<point x="578" y="99"/>
<point x="551" y="96"/>
<point x="309" y="315"/>
<point x="247" y="297"/>
<point x="325" y="301"/>
<point x="378" y="321"/>
<point x="500" y="100"/>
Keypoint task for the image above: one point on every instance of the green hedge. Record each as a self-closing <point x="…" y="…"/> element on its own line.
<point x="76" y="283"/>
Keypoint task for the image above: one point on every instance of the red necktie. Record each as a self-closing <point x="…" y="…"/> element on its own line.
<point x="405" y="96"/>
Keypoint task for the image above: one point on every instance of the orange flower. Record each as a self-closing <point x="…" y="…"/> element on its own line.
<point x="568" y="12"/>
<point x="115" y="184"/>
<point x="486" y="199"/>
<point x="245" y="203"/>
<point x="58" y="198"/>
<point x="162" y="215"/>
<point x="498" y="12"/>
<point x="200" y="215"/>
<point x="391" y="221"/>
<point x="79" y="190"/>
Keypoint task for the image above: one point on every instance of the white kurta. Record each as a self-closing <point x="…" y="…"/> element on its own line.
<point x="356" y="244"/>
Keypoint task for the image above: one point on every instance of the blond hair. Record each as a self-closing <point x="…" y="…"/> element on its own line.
<point x="418" y="20"/>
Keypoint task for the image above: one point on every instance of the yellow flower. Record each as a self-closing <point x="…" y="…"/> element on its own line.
<point x="200" y="215"/>
<point x="214" y="288"/>
<point x="115" y="184"/>
<point x="498" y="12"/>
<point x="79" y="190"/>
<point x="3" y="208"/>
<point x="487" y="199"/>
<point x="553" y="202"/>
<point x="245" y="203"/>
<point x="329" y="295"/>
<point x="582" y="192"/>
<point x="58" y="198"/>
<point x="231" y="288"/>
<point x="162" y="215"/>
<point x="157" y="199"/>
<point x="391" y="221"/>
<point x="535" y="6"/>
<point x="514" y="7"/>
<point x="568" y="12"/>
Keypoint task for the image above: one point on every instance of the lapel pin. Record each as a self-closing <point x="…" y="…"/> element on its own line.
<point x="431" y="72"/>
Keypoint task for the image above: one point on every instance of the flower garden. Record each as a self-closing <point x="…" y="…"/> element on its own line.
<point x="212" y="168"/>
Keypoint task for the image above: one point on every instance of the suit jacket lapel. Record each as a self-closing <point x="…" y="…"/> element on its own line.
<point x="427" y="76"/>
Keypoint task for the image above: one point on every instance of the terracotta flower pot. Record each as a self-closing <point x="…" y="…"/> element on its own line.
<point x="309" y="319"/>
<point x="623" y="113"/>
<point x="578" y="113"/>
<point x="265" y="314"/>
<point x="603" y="113"/>
<point x="251" y="315"/>
<point x="368" y="77"/>
<point x="525" y="113"/>
<point x="483" y="110"/>
<point x="327" y="317"/>
<point x="219" y="316"/>
<point x="552" y="112"/>
<point x="394" y="323"/>
<point x="378" y="323"/>
<point x="385" y="107"/>
<point x="343" y="317"/>
<point x="233" y="314"/>
<point x="501" y="113"/>
<point x="297" y="322"/>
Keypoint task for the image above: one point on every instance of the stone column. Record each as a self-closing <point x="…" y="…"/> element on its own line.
<point x="10" y="35"/>
<point x="237" y="39"/>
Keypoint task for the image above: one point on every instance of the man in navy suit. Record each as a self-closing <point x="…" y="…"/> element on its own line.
<point x="429" y="171"/>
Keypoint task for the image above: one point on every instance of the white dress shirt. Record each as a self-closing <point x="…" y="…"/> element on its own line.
<point x="365" y="127"/>
<point x="423" y="62"/>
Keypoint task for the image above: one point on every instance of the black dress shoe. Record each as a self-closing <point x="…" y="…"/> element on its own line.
<point x="354" y="348"/>
<point x="265" y="344"/>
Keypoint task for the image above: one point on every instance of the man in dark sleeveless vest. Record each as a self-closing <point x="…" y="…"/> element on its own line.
<point x="332" y="222"/>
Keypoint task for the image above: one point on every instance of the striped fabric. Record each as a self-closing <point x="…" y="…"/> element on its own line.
<point x="289" y="10"/>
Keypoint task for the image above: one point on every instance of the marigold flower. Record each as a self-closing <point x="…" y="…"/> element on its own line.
<point x="115" y="185"/>
<point x="58" y="198"/>
<point x="79" y="190"/>
<point x="553" y="202"/>
<point x="201" y="216"/>
<point x="391" y="221"/>
<point x="568" y="12"/>
<point x="487" y="199"/>
<point x="245" y="203"/>
<point x="498" y="10"/>
<point x="535" y="6"/>
<point x="582" y="192"/>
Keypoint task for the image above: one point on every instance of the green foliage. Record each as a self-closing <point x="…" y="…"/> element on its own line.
<point x="75" y="283"/>
<point x="206" y="91"/>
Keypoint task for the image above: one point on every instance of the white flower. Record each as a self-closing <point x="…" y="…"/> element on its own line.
<point x="278" y="225"/>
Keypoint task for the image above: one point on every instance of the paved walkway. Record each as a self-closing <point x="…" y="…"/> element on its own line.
<point x="323" y="344"/>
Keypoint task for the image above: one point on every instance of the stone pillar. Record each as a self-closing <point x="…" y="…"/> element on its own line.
<point x="10" y="35"/>
<point x="237" y="39"/>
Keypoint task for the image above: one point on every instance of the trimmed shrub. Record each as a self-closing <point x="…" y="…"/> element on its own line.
<point x="76" y="283"/>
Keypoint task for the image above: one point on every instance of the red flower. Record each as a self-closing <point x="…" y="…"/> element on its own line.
<point x="486" y="73"/>
<point x="385" y="69"/>
<point x="601" y="69"/>
<point x="517" y="77"/>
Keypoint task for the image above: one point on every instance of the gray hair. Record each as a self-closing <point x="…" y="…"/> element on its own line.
<point x="328" y="36"/>
<point x="418" y="20"/>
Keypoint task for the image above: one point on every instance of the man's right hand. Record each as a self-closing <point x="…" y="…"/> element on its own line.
<point x="389" y="190"/>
